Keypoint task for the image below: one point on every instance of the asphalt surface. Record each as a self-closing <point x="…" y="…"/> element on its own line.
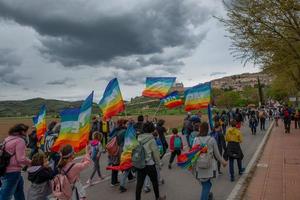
<point x="179" y="183"/>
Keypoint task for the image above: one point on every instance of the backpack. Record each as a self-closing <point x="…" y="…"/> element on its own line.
<point x="177" y="143"/>
<point x="113" y="147"/>
<point x="5" y="157"/>
<point x="95" y="151"/>
<point x="138" y="155"/>
<point x="160" y="146"/>
<point x="62" y="189"/>
<point x="205" y="160"/>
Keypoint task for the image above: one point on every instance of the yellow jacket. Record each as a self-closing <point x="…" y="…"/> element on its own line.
<point x="233" y="135"/>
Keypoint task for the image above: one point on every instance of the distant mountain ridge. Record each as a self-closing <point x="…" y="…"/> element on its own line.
<point x="31" y="107"/>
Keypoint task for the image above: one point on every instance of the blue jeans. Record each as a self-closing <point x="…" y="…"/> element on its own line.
<point x="12" y="185"/>
<point x="206" y="187"/>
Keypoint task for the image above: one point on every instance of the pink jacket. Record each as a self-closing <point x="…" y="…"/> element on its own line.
<point x="16" y="145"/>
<point x="74" y="173"/>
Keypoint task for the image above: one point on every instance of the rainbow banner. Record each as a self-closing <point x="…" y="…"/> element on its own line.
<point x="197" y="97"/>
<point x="189" y="159"/>
<point x="129" y="144"/>
<point x="39" y="122"/>
<point x="172" y="100"/>
<point x="158" y="87"/>
<point x="112" y="101"/>
<point x="75" y="126"/>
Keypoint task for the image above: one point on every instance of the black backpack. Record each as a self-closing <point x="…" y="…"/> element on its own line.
<point x="5" y="157"/>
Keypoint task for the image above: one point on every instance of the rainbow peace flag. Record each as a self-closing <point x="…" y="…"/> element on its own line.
<point x="189" y="159"/>
<point x="39" y="122"/>
<point x="158" y="87"/>
<point x="129" y="144"/>
<point x="172" y="100"/>
<point x="112" y="101"/>
<point x="75" y="126"/>
<point x="197" y="97"/>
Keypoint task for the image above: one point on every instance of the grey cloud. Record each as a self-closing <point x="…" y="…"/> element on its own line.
<point x="217" y="73"/>
<point x="8" y="58"/>
<point x="8" y="75"/>
<point x="59" y="82"/>
<point x="80" y="33"/>
<point x="64" y="82"/>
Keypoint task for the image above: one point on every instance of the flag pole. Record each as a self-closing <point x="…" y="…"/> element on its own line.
<point x="157" y="108"/>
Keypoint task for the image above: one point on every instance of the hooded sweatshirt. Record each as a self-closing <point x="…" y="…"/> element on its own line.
<point x="39" y="174"/>
<point x="16" y="146"/>
<point x="151" y="148"/>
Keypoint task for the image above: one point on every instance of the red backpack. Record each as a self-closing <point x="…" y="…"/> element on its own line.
<point x="113" y="147"/>
<point x="61" y="187"/>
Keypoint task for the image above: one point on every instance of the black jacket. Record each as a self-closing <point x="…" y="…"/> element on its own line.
<point x="39" y="174"/>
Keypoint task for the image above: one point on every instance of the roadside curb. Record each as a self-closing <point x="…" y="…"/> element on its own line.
<point x="239" y="189"/>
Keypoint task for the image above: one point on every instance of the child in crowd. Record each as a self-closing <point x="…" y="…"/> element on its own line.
<point x="176" y="146"/>
<point x="217" y="134"/>
<point x="253" y="123"/>
<point x="96" y="150"/>
<point x="39" y="174"/>
<point x="67" y="164"/>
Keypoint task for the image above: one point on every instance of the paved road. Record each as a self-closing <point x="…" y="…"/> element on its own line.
<point x="179" y="184"/>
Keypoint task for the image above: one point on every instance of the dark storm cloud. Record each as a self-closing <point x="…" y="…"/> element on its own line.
<point x="77" y="33"/>
<point x="8" y="75"/>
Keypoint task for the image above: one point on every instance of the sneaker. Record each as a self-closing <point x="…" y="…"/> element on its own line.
<point x="116" y="184"/>
<point x="162" y="181"/>
<point x="169" y="166"/>
<point x="147" y="190"/>
<point x="232" y="179"/>
<point x="122" y="189"/>
<point x="89" y="182"/>
<point x="242" y="171"/>
<point x="220" y="173"/>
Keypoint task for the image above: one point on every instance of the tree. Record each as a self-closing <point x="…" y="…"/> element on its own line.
<point x="267" y="33"/>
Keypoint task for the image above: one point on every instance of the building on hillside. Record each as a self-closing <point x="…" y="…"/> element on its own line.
<point x="178" y="87"/>
<point x="239" y="82"/>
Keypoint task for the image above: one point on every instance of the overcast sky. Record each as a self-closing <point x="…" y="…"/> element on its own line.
<point x="64" y="49"/>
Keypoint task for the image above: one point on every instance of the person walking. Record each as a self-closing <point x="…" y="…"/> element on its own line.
<point x="218" y="135"/>
<point x="203" y="170"/>
<point x="238" y="118"/>
<point x="96" y="151"/>
<point x="152" y="158"/>
<point x="68" y="164"/>
<point x="187" y="128"/>
<point x="234" y="152"/>
<point x="253" y="123"/>
<point x="262" y="119"/>
<point x="161" y="130"/>
<point x="39" y="174"/>
<point x="287" y="120"/>
<point x="12" y="180"/>
<point x="176" y="146"/>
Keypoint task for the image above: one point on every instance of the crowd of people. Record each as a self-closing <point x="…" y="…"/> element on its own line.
<point x="47" y="169"/>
